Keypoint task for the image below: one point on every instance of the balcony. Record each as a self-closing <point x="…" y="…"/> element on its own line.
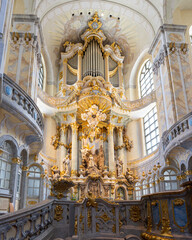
<point x="18" y="104"/>
<point x="177" y="134"/>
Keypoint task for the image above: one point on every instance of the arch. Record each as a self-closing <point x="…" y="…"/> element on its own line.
<point x="170" y="179"/>
<point x="183" y="168"/>
<point x="190" y="164"/>
<point x="24" y="156"/>
<point x="12" y="141"/>
<point x="121" y="193"/>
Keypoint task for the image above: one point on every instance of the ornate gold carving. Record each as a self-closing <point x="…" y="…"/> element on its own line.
<point x="178" y="202"/>
<point x="58" y="213"/>
<point x="16" y="160"/>
<point x="89" y="217"/>
<point x="95" y="24"/>
<point x="184" y="48"/>
<point x="166" y="229"/>
<point x="105" y="217"/>
<point x="25" y="168"/>
<point x="135" y="213"/>
<point x="172" y="47"/>
<point x="60" y="75"/>
<point x="76" y="225"/>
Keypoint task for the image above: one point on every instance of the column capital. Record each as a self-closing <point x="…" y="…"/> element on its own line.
<point x="110" y="128"/>
<point x="80" y="53"/>
<point x="106" y="54"/>
<point x="16" y="160"/>
<point x="74" y="127"/>
<point x="65" y="61"/>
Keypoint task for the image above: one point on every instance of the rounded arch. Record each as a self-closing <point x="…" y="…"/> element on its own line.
<point x="190" y="164"/>
<point x="121" y="192"/>
<point x="169" y="168"/>
<point x="12" y="141"/>
<point x="183" y="167"/>
<point x="37" y="165"/>
<point x="24" y="156"/>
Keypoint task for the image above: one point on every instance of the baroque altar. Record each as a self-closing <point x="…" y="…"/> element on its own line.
<point x="91" y="138"/>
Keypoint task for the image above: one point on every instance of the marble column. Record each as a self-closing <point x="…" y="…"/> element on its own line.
<point x="14" y="178"/>
<point x="80" y="54"/>
<point x="111" y="148"/>
<point x="64" y="72"/>
<point x="120" y="143"/>
<point x="62" y="150"/>
<point x="74" y="149"/>
<point x="120" y="74"/>
<point x="23" y="191"/>
<point x="106" y="57"/>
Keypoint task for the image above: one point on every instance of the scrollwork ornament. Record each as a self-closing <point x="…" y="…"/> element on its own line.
<point x="58" y="213"/>
<point x="135" y="213"/>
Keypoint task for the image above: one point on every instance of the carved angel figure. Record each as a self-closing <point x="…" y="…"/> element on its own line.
<point x="55" y="173"/>
<point x="129" y="176"/>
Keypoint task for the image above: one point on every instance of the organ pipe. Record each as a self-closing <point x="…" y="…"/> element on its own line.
<point x="93" y="62"/>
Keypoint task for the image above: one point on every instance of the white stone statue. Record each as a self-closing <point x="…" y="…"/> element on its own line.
<point x="119" y="167"/>
<point x="66" y="162"/>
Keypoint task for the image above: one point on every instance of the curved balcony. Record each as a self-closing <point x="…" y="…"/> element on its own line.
<point x="178" y="133"/>
<point x="18" y="103"/>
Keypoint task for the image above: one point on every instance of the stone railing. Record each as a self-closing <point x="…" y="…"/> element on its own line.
<point x="163" y="216"/>
<point x="27" y="223"/>
<point x="179" y="132"/>
<point x="19" y="103"/>
<point x="168" y="214"/>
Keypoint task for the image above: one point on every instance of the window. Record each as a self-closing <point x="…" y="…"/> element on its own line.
<point x="137" y="191"/>
<point x="146" y="79"/>
<point x="170" y="180"/>
<point x="151" y="188"/>
<point x="156" y="184"/>
<point x="5" y="165"/>
<point x="151" y="130"/>
<point x="145" y="189"/>
<point x="34" y="180"/>
<point x="41" y="77"/>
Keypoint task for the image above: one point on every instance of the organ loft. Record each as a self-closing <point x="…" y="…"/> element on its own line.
<point x="91" y="137"/>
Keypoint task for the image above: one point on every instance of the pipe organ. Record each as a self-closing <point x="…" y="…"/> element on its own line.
<point x="93" y="61"/>
<point x="86" y="118"/>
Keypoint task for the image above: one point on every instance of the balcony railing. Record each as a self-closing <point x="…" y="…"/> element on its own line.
<point x="178" y="132"/>
<point x="18" y="102"/>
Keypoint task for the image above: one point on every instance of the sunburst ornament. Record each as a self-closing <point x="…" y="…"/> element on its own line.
<point x="93" y="116"/>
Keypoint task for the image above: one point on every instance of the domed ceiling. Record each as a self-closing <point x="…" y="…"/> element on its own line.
<point x="132" y="24"/>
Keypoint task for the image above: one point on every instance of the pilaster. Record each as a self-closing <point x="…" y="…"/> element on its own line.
<point x="172" y="74"/>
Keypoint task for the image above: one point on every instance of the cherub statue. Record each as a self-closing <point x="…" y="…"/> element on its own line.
<point x="66" y="162"/>
<point x="129" y="176"/>
<point x="55" y="173"/>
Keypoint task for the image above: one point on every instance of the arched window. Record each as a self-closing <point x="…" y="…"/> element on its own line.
<point x="145" y="188"/>
<point x="156" y="184"/>
<point x="151" y="130"/>
<point x="5" y="165"/>
<point x="146" y="79"/>
<point x="151" y="187"/>
<point x="34" y="181"/>
<point x="150" y="120"/>
<point x="121" y="193"/>
<point x="170" y="180"/>
<point x="41" y="76"/>
<point x="137" y="191"/>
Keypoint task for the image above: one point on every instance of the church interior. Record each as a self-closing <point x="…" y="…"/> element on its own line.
<point x="95" y="119"/>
